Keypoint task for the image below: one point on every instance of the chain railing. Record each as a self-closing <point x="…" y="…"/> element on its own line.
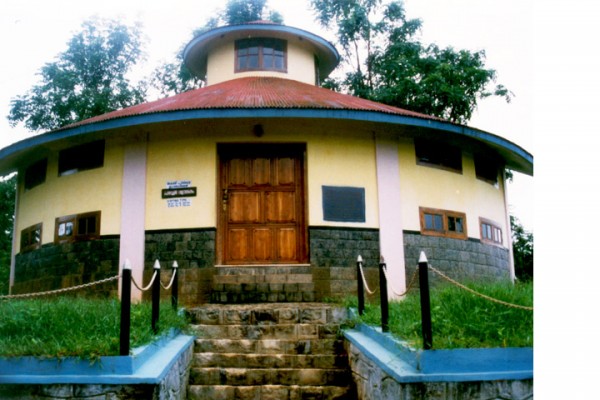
<point x="59" y="291"/>
<point x="422" y="272"/>
<point x="127" y="280"/>
<point x="155" y="284"/>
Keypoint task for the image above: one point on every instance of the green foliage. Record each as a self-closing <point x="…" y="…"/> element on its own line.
<point x="463" y="320"/>
<point x="242" y="11"/>
<point x="75" y="327"/>
<point x="7" y="210"/>
<point x="522" y="242"/>
<point x="389" y="64"/>
<point x="88" y="79"/>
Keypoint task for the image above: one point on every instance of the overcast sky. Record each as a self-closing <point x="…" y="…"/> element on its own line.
<point x="33" y="32"/>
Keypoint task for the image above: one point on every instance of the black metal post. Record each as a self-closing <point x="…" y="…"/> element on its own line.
<point x="425" y="302"/>
<point x="385" y="311"/>
<point x="175" y="287"/>
<point x="125" y="310"/>
<point x="361" y="288"/>
<point x="156" y="297"/>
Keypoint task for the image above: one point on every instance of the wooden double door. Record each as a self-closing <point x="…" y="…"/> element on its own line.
<point x="262" y="204"/>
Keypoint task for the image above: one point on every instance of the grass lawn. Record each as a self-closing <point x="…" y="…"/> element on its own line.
<point x="461" y="319"/>
<point x="75" y="327"/>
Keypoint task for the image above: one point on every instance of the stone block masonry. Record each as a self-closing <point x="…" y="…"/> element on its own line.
<point x="56" y="266"/>
<point x="194" y="251"/>
<point x="339" y="247"/>
<point x="464" y="260"/>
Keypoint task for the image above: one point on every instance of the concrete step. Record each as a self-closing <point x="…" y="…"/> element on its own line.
<point x="270" y="392"/>
<point x="269" y="351"/>
<point x="271" y="346"/>
<point x="264" y="270"/>
<point x="243" y="295"/>
<point x="237" y="360"/>
<point x="270" y="376"/>
<point x="260" y="332"/>
<point x="263" y="279"/>
<point x="267" y="314"/>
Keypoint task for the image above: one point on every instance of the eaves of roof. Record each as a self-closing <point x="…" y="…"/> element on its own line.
<point x="265" y="97"/>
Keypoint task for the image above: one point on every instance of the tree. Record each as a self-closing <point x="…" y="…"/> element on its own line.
<point x="7" y="209"/>
<point x="389" y="64"/>
<point x="174" y="77"/>
<point x="88" y="79"/>
<point x="522" y="250"/>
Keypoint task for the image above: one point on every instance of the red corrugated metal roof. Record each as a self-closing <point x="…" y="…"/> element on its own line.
<point x="255" y="93"/>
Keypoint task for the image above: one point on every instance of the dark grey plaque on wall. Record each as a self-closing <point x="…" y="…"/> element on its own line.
<point x="343" y="204"/>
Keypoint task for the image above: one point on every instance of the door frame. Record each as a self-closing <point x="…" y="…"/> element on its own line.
<point x="271" y="149"/>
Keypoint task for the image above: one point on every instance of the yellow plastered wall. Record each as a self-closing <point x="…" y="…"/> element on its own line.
<point x="221" y="65"/>
<point x="424" y="186"/>
<point x="85" y="191"/>
<point x="332" y="159"/>
<point x="342" y="161"/>
<point x="187" y="158"/>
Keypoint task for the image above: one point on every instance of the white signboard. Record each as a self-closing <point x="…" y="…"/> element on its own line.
<point x="181" y="201"/>
<point x="173" y="203"/>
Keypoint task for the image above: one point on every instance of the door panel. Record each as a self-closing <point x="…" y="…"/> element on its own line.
<point x="244" y="207"/>
<point x="238" y="244"/>
<point x="280" y="207"/>
<point x="261" y="171"/>
<point x="262" y="244"/>
<point x="236" y="172"/>
<point x="286" y="241"/>
<point x="285" y="172"/>
<point x="262" y="206"/>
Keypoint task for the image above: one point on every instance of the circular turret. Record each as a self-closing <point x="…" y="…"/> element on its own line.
<point x="260" y="48"/>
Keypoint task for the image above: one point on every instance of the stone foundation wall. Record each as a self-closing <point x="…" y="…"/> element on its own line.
<point x="173" y="386"/>
<point x="464" y="260"/>
<point x="195" y="253"/>
<point x="339" y="247"/>
<point x="333" y="254"/>
<point x="56" y="266"/>
<point x="372" y="383"/>
<point x="335" y="283"/>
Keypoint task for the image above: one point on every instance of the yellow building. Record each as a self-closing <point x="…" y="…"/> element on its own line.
<point x="261" y="185"/>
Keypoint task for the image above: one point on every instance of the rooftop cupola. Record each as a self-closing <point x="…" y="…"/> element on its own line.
<point x="260" y="48"/>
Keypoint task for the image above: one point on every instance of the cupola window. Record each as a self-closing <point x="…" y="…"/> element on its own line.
<point x="260" y="54"/>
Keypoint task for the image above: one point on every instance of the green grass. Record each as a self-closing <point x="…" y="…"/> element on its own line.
<point x="75" y="327"/>
<point x="461" y="319"/>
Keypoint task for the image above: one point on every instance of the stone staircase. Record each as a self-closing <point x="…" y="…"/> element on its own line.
<point x="269" y="351"/>
<point x="262" y="284"/>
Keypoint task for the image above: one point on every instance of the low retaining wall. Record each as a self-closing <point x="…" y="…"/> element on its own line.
<point x="157" y="371"/>
<point x="385" y="368"/>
